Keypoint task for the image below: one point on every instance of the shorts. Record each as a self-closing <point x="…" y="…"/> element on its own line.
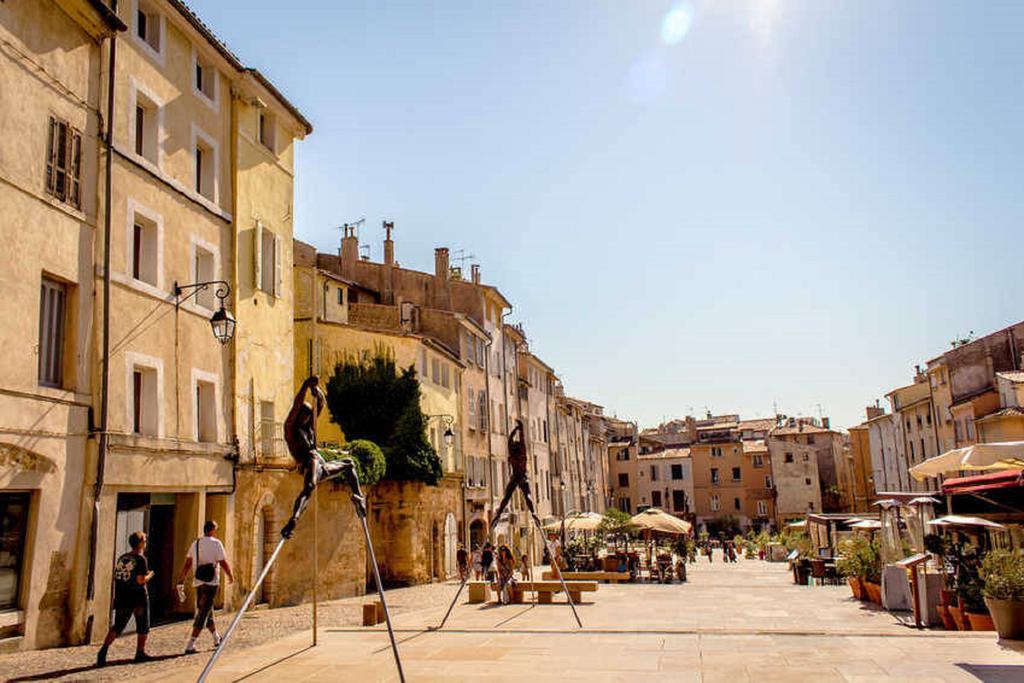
<point x="123" y="614"/>
<point x="204" y="606"/>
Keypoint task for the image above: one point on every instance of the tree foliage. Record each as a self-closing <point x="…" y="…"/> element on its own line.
<point x="370" y="398"/>
<point x="368" y="457"/>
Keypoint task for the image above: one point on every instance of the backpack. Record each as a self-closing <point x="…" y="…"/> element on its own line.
<point x="204" y="572"/>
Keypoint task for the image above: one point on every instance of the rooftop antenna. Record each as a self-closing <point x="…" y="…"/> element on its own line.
<point x="818" y="405"/>
<point x="388" y="227"/>
<point x="365" y="248"/>
<point x="461" y="256"/>
<point x="354" y="225"/>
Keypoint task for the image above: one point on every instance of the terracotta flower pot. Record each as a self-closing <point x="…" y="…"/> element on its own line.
<point x="856" y="587"/>
<point x="981" y="622"/>
<point x="947" y="618"/>
<point x="1008" y="616"/>
<point x="874" y="592"/>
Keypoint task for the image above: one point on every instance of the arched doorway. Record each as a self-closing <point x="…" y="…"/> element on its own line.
<point x="451" y="539"/>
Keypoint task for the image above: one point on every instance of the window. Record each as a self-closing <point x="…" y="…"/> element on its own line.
<point x="480" y="352"/>
<point x="266" y="131"/>
<point x="203" y="271"/>
<point x="267" y="430"/>
<point x="206" y="165"/>
<point x="762" y="508"/>
<point x="810" y="439"/>
<point x="656" y="498"/>
<point x="206" y="80"/>
<point x="911" y="444"/>
<point x="714" y="475"/>
<point x="789" y="457"/>
<point x="736" y="476"/>
<point x="471" y="400"/>
<point x="677" y="472"/>
<point x="435" y="370"/>
<point x="767" y="481"/>
<point x="716" y="452"/>
<point x="14" y="523"/>
<point x="715" y="503"/>
<point x="623" y="480"/>
<point x="341" y="296"/>
<point x="206" y="412"/>
<point x="807" y="481"/>
<point x="64" y="162"/>
<point x="148" y="26"/>
<point x="922" y="448"/>
<point x="625" y="505"/>
<point x="758" y="461"/>
<point x="446" y="380"/>
<point x="268" y="261"/>
<point x="145" y="131"/>
<point x="482" y="410"/>
<point x="807" y="457"/>
<point x="145" y="249"/>
<point x="144" y="400"/>
<point x="679" y="501"/>
<point x="623" y="454"/>
<point x="736" y="503"/>
<point x="654" y="473"/>
<point x="52" y="312"/>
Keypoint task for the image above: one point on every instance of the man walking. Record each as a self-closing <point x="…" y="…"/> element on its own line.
<point x="131" y="598"/>
<point x="208" y="557"/>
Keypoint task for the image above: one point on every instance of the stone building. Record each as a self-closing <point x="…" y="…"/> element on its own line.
<point x="665" y="480"/>
<point x="52" y="126"/>
<point x="803" y="454"/>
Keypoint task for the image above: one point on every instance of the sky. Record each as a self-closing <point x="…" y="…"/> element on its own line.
<point x="737" y="206"/>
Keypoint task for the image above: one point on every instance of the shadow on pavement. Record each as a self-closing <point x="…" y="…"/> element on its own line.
<point x="274" y="663"/>
<point x="45" y="675"/>
<point x="995" y="673"/>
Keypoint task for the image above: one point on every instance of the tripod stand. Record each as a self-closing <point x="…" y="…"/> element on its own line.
<point x="520" y="482"/>
<point x="347" y="470"/>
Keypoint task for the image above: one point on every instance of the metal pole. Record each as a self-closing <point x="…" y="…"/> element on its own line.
<point x="380" y="592"/>
<point x="241" y="611"/>
<point x="316" y="561"/>
<point x="554" y="565"/>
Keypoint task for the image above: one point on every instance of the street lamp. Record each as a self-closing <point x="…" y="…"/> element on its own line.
<point x="222" y="322"/>
<point x="449" y="435"/>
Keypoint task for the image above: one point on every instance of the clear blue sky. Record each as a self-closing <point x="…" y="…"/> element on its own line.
<point x="726" y="206"/>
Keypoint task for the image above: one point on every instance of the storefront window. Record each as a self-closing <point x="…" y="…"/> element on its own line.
<point x="13" y="519"/>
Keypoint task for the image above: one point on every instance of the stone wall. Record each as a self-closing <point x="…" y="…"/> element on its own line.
<point x="407" y="521"/>
<point x="374" y="316"/>
<point x="269" y="495"/>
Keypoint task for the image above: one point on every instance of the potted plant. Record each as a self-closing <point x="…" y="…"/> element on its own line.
<point x="850" y="564"/>
<point x="873" y="571"/>
<point x="1003" y="573"/>
<point x="972" y="601"/>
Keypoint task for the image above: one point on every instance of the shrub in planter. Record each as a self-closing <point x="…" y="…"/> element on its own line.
<point x="1003" y="573"/>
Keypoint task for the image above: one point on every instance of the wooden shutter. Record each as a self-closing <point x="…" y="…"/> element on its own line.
<point x="257" y="255"/>
<point x="51" y="156"/>
<point x="278" y="266"/>
<point x="75" y="168"/>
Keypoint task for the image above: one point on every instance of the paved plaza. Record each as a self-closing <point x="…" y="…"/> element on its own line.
<point x="739" y="622"/>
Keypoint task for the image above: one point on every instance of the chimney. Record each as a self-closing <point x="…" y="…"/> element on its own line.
<point x="825" y="423"/>
<point x="475" y="273"/>
<point x="874" y="411"/>
<point x="442" y="275"/>
<point x="691" y="428"/>
<point x="389" y="244"/>
<point x="349" y="252"/>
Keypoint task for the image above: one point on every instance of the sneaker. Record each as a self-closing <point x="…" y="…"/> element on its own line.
<point x="142" y="657"/>
<point x="216" y="640"/>
<point x="190" y="649"/>
<point x="101" y="657"/>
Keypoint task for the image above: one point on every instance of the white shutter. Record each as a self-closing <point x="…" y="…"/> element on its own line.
<point x="277" y="266"/>
<point x="257" y="254"/>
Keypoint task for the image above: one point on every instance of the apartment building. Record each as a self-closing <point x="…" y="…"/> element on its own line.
<point x="52" y="127"/>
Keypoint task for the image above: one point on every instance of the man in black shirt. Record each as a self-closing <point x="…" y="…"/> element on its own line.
<point x="131" y="598"/>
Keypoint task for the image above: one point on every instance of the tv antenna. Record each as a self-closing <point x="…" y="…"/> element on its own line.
<point x="353" y="226"/>
<point x="461" y="256"/>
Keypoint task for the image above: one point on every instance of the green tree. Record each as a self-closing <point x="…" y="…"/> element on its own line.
<point x="618" y="525"/>
<point x="370" y="398"/>
<point x="368" y="457"/>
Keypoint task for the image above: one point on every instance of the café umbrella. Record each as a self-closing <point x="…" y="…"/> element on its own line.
<point x="1004" y="455"/>
<point x="960" y="520"/>
<point x="653" y="519"/>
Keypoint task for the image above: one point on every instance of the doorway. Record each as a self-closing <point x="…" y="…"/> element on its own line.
<point x="154" y="514"/>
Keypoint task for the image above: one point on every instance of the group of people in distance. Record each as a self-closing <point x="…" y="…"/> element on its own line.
<point x="497" y="565"/>
<point x="728" y="550"/>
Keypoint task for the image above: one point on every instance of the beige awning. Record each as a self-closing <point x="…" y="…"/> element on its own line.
<point x="983" y="456"/>
<point x="580" y="521"/>
<point x="654" y="519"/>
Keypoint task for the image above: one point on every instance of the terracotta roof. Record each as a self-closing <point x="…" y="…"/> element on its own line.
<point x="666" y="454"/>
<point x="800" y="429"/>
<point x="754" y="447"/>
<point x="717" y="426"/>
<point x="1012" y="411"/>
<point x="757" y="424"/>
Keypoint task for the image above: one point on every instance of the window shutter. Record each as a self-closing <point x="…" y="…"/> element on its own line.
<point x="257" y="254"/>
<point x="51" y="156"/>
<point x="75" y="168"/>
<point x="277" y="266"/>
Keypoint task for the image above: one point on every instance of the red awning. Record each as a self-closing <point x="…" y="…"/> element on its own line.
<point x="984" y="482"/>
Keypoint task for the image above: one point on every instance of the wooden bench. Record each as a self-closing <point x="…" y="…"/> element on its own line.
<point x="373" y="613"/>
<point x="545" y="590"/>
<point x="479" y="592"/>
<point x="610" y="577"/>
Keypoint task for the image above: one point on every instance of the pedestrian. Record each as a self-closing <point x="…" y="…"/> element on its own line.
<point x="506" y="574"/>
<point x="462" y="559"/>
<point x="525" y="571"/>
<point x="131" y="598"/>
<point x="478" y="563"/>
<point x="208" y="557"/>
<point x="486" y="560"/>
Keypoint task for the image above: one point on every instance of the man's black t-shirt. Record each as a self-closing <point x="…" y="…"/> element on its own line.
<point x="486" y="558"/>
<point x="127" y="591"/>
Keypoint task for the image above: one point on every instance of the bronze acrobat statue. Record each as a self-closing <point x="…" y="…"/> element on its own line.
<point x="300" y="435"/>
<point x="518" y="479"/>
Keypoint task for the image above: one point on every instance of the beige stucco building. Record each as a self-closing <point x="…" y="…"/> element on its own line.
<point x="50" y="127"/>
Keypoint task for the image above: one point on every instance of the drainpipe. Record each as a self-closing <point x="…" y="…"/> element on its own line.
<point x="490" y="445"/>
<point x="101" y="456"/>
